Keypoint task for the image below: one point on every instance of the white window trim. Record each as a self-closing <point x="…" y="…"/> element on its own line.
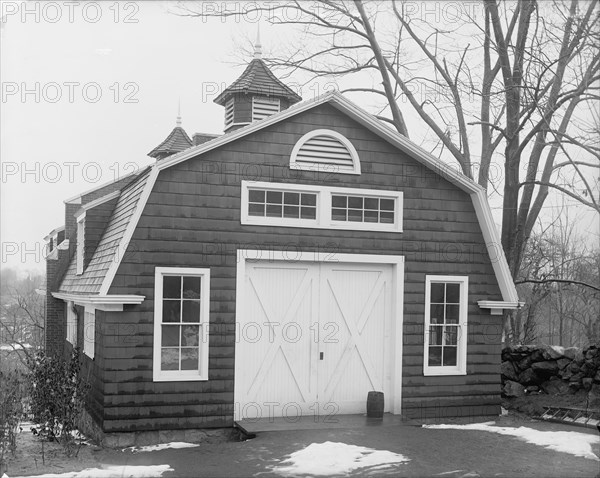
<point x="178" y="375"/>
<point x="325" y="168"/>
<point x="323" y="218"/>
<point x="71" y="324"/>
<point x="461" y="353"/>
<point x="80" y="247"/>
<point x="89" y="331"/>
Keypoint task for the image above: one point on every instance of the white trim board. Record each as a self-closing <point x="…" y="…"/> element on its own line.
<point x="101" y="302"/>
<point x="251" y="255"/>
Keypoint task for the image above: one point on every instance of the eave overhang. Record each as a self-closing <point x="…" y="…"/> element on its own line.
<point x="101" y="302"/>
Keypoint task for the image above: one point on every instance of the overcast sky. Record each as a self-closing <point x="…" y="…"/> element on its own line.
<point x="89" y="88"/>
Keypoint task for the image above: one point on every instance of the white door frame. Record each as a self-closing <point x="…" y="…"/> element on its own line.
<point x="397" y="263"/>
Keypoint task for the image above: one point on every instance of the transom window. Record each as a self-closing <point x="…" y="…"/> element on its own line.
<point x="181" y="324"/>
<point x="323" y="207"/>
<point x="282" y="204"/>
<point x="362" y="209"/>
<point x="446" y="325"/>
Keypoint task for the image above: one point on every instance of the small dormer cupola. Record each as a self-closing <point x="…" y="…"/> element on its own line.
<point x="177" y="141"/>
<point x="256" y="94"/>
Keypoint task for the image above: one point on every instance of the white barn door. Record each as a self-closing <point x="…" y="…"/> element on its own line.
<point x="312" y="338"/>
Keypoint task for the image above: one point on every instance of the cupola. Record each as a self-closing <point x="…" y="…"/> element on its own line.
<point x="177" y="141"/>
<point x="255" y="95"/>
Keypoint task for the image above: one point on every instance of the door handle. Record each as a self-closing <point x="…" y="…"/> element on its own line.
<point x="321" y="356"/>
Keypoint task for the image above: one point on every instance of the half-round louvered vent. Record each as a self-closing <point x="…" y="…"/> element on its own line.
<point x="327" y="151"/>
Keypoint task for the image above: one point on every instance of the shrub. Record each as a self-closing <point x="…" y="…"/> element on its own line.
<point x="12" y="392"/>
<point x="58" y="393"/>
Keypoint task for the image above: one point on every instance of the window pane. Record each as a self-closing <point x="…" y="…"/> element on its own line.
<point x="273" y="211"/>
<point x="437" y="293"/>
<point x="339" y="201"/>
<point x="254" y="195"/>
<point x="308" y="213"/>
<point x="451" y="335"/>
<point x="309" y="199"/>
<point x="435" y="335"/>
<point x="189" y="335"/>
<point x="291" y="211"/>
<point x="436" y="313"/>
<point x="355" y="202"/>
<point x="338" y="214"/>
<point x="292" y="198"/>
<point x="386" y="204"/>
<point x="452" y="293"/>
<point x="171" y="287"/>
<point x="189" y="359"/>
<point x="256" y="209"/>
<point x="435" y="356"/>
<point x="452" y="312"/>
<point x="170" y="335"/>
<point x="371" y="203"/>
<point x="450" y="356"/>
<point x="169" y="359"/>
<point x="191" y="311"/>
<point x="355" y="215"/>
<point x="274" y="197"/>
<point x="171" y="310"/>
<point x="386" y="217"/>
<point x="371" y="216"/>
<point x="191" y="287"/>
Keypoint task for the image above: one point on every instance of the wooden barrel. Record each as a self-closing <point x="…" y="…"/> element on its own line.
<point x="375" y="405"/>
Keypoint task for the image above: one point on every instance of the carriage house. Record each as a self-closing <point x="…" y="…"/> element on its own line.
<point x="307" y="256"/>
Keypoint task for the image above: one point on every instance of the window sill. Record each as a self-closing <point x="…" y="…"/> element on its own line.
<point x="439" y="372"/>
<point x="179" y="377"/>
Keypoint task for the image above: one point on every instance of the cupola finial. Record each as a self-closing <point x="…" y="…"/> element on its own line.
<point x="257" y="45"/>
<point x="178" y="122"/>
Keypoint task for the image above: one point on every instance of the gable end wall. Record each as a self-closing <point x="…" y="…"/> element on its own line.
<point x="192" y="219"/>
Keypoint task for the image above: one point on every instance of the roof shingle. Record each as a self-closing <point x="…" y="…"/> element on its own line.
<point x="259" y="79"/>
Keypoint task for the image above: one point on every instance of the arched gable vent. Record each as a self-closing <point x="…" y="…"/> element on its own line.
<point x="325" y="150"/>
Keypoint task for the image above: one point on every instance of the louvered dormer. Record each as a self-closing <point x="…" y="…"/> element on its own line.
<point x="255" y="95"/>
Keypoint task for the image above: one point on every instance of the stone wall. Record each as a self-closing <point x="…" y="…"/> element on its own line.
<point x="552" y="370"/>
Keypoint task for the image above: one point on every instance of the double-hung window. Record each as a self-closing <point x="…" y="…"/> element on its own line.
<point x="71" y="324"/>
<point x="445" y="325"/>
<point x="181" y="308"/>
<point x="80" y="249"/>
<point x="89" y="331"/>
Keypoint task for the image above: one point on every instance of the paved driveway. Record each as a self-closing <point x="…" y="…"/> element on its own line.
<point x="432" y="452"/>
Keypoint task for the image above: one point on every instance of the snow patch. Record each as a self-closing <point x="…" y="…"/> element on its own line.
<point x="575" y="443"/>
<point x="124" y="471"/>
<point x="161" y="446"/>
<point x="331" y="458"/>
<point x="12" y="347"/>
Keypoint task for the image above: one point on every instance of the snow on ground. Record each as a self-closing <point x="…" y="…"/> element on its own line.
<point x="576" y="443"/>
<point x="330" y="458"/>
<point x="161" y="446"/>
<point x="126" y="471"/>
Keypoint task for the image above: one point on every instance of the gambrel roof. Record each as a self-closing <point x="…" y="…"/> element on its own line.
<point x="97" y="282"/>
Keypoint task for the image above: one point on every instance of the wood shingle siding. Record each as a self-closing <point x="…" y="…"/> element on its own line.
<point x="192" y="219"/>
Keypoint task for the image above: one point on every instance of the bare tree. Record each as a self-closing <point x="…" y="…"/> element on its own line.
<point x="513" y="85"/>
<point x="22" y="316"/>
<point x="560" y="280"/>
